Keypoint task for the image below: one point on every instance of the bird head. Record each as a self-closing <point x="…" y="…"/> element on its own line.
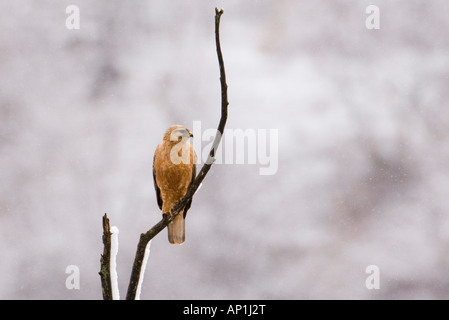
<point x="177" y="133"/>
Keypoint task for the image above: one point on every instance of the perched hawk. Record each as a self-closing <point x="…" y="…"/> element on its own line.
<point x="174" y="169"/>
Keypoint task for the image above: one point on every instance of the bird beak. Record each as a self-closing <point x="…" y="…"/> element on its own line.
<point x="190" y="134"/>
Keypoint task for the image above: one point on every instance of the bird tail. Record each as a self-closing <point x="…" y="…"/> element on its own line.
<point x="176" y="230"/>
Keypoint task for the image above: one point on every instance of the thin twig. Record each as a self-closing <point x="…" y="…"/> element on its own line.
<point x="158" y="227"/>
<point x="105" y="272"/>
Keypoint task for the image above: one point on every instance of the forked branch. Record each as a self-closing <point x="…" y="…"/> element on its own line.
<point x="158" y="227"/>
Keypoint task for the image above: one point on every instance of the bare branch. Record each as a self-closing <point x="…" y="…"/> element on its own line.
<point x="150" y="234"/>
<point x="105" y="261"/>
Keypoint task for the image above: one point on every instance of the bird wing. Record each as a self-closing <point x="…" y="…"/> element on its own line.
<point x="156" y="187"/>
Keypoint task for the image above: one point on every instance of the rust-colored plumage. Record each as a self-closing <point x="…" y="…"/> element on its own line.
<point x="174" y="169"/>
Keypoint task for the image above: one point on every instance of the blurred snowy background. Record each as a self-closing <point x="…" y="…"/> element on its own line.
<point x="363" y="119"/>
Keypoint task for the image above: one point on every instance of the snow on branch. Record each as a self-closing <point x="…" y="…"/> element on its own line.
<point x="113" y="263"/>
<point x="142" y="271"/>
